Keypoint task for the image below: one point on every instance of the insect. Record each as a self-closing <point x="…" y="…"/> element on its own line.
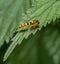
<point x="32" y="23"/>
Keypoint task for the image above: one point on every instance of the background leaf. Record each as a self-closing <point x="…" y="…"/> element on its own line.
<point x="44" y="12"/>
<point x="41" y="48"/>
<point x="10" y="16"/>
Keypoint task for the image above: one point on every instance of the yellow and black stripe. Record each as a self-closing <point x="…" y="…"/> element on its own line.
<point x="28" y="23"/>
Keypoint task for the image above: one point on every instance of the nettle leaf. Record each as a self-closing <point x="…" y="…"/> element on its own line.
<point x="17" y="40"/>
<point x="41" y="48"/>
<point x="10" y="16"/>
<point x="44" y="11"/>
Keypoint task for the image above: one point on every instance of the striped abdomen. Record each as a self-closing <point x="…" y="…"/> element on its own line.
<point x="28" y="23"/>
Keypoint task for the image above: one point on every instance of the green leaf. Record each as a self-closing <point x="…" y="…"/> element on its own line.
<point x="44" y="12"/>
<point x="16" y="40"/>
<point x="12" y="46"/>
<point x="41" y="48"/>
<point x="10" y="15"/>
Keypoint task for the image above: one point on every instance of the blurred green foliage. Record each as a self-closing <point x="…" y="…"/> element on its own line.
<point x="41" y="48"/>
<point x="10" y="16"/>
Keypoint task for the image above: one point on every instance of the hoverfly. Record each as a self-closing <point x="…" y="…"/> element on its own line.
<point x="32" y="24"/>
